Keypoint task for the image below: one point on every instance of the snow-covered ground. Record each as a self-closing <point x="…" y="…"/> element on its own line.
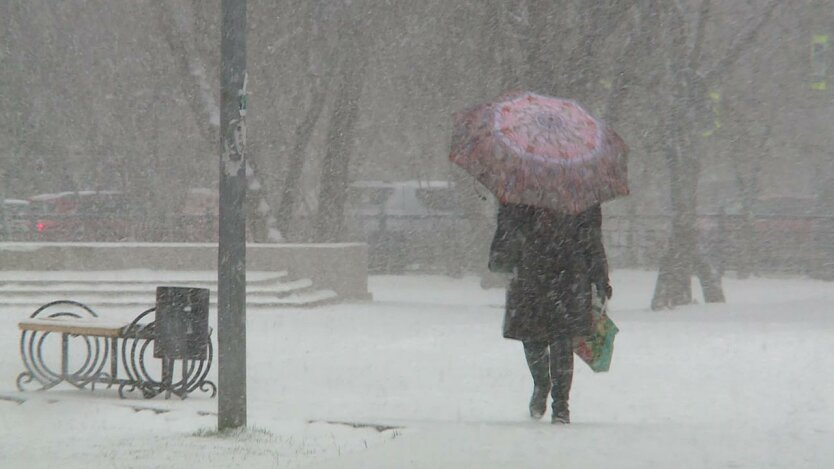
<point x="747" y="384"/>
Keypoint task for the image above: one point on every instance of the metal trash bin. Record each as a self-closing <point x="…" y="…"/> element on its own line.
<point x="182" y="330"/>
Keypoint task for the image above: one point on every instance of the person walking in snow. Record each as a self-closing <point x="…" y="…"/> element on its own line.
<point x="557" y="262"/>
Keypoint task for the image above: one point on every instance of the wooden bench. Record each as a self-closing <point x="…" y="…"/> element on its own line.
<point x="89" y="327"/>
<point x="74" y="327"/>
<point x="101" y="340"/>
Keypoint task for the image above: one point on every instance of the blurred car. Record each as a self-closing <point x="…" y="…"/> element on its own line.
<point x="784" y="231"/>
<point x="199" y="215"/>
<point x="15" y="222"/>
<point x="81" y="216"/>
<point x="404" y="223"/>
<point x="780" y="235"/>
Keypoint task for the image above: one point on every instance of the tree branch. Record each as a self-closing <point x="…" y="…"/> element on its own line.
<point x="741" y="44"/>
<point x="696" y="53"/>
<point x="176" y="18"/>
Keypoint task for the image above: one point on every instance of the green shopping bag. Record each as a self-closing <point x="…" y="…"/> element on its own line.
<point x="597" y="348"/>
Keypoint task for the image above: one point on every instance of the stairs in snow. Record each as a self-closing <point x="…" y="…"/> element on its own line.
<point x="137" y="288"/>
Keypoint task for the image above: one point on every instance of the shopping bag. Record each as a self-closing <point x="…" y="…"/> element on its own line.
<point x="597" y="348"/>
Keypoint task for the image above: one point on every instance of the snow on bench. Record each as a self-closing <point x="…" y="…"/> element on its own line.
<point x="74" y="326"/>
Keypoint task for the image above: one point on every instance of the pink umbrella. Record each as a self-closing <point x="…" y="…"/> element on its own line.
<point x="541" y="151"/>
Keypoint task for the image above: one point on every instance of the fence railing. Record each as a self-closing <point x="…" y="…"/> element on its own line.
<point x="760" y="244"/>
<point x="795" y="244"/>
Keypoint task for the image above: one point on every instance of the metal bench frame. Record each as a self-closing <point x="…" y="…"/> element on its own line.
<point x="102" y="345"/>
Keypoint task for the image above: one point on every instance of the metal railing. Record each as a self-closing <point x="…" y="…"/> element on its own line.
<point x="760" y="244"/>
<point x="444" y="242"/>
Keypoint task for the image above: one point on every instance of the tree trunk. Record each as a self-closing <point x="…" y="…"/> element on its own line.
<point x="334" y="173"/>
<point x="295" y="166"/>
<point x="538" y="76"/>
<point x="674" y="285"/>
<point x="683" y="258"/>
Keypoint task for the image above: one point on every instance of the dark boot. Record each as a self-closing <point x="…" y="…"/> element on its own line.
<point x="561" y="412"/>
<point x="561" y="375"/>
<point x="538" y="360"/>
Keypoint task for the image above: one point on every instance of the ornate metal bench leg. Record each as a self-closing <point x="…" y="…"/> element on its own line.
<point x="184" y="390"/>
<point x="167" y="376"/>
<point x="114" y="361"/>
<point x="137" y="349"/>
<point x="32" y="355"/>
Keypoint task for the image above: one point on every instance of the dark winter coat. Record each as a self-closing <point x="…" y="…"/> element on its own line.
<point x="555" y="258"/>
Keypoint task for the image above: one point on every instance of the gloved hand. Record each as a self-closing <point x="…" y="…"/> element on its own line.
<point x="604" y="289"/>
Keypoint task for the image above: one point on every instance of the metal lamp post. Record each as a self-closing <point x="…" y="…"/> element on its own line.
<point x="231" y="273"/>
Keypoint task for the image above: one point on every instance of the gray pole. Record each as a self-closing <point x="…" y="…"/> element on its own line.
<point x="231" y="264"/>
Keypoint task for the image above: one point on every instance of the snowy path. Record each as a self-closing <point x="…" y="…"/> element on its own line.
<point x="741" y="385"/>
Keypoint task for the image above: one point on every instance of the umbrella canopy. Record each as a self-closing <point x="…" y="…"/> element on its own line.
<point x="541" y="151"/>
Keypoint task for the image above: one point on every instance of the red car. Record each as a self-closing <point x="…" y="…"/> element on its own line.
<point x="81" y="216"/>
<point x="14" y="220"/>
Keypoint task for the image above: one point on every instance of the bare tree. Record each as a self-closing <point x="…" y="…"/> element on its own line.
<point x="334" y="180"/>
<point x="177" y="20"/>
<point x="685" y="104"/>
<point x="690" y="82"/>
<point x="320" y="72"/>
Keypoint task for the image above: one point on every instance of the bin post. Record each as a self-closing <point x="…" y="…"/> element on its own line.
<point x="231" y="274"/>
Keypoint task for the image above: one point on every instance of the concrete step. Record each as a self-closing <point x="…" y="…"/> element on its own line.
<point x="305" y="299"/>
<point x="125" y="289"/>
<point x="131" y="277"/>
<point x="137" y="289"/>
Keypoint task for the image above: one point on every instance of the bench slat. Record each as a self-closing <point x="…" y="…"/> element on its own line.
<point x="89" y="327"/>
